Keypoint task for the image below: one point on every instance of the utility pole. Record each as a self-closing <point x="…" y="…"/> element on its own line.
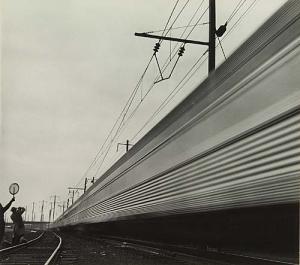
<point x="127" y="145"/>
<point x="73" y="190"/>
<point x="211" y="43"/>
<point x="54" y="204"/>
<point x="85" y="184"/>
<point x="50" y="212"/>
<point x="42" y="211"/>
<point x="25" y="213"/>
<point x="63" y="207"/>
<point x="212" y="37"/>
<point x="32" y="214"/>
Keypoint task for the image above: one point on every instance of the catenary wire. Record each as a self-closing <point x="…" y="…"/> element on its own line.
<point x="131" y="98"/>
<point x="231" y="16"/>
<point x="170" y="17"/>
<point x="133" y="112"/>
<point x="222" y="48"/>
<point x="181" y="27"/>
<point x="162" y="105"/>
<point x="169" y="97"/>
<point x="148" y="91"/>
<point x="129" y="101"/>
<point x="236" y="9"/>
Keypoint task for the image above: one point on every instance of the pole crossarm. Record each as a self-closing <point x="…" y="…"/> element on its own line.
<point x="146" y="35"/>
<point x="75" y="188"/>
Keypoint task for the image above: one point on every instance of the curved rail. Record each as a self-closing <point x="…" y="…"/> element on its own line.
<point x="55" y="251"/>
<point x="45" y="253"/>
<point x="19" y="246"/>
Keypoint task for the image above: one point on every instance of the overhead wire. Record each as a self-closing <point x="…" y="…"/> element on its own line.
<point x="123" y="114"/>
<point x="125" y="109"/>
<point x="162" y="105"/>
<point x="148" y="91"/>
<point x="160" y="41"/>
<point x="151" y="87"/>
<point x="170" y="97"/>
<point x="180" y="12"/>
<point x="170" y="16"/>
<point x="237" y="8"/>
<point x="240" y="18"/>
<point x="175" y="50"/>
<point x="222" y="47"/>
<point x="233" y="13"/>
<point x="181" y="27"/>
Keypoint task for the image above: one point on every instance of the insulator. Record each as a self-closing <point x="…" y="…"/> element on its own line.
<point x="181" y="51"/>
<point x="221" y="30"/>
<point x="156" y="47"/>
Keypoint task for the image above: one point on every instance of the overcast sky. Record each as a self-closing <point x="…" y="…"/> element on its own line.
<point x="69" y="66"/>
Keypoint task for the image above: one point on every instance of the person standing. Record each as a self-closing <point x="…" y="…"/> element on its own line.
<point x="19" y="228"/>
<point x="2" y="223"/>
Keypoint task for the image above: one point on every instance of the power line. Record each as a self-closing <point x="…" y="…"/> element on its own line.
<point x="181" y="27"/>
<point x="222" y="48"/>
<point x="239" y="19"/>
<point x="169" y="98"/>
<point x="129" y="102"/>
<point x="175" y="50"/>
<point x="236" y="9"/>
<point x="163" y="104"/>
<point x="180" y="12"/>
<point x="170" y="17"/>
<point x="165" y="66"/>
<point x="125" y="109"/>
<point x="133" y="112"/>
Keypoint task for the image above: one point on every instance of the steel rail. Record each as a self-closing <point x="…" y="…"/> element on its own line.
<point x="19" y="246"/>
<point x="50" y="259"/>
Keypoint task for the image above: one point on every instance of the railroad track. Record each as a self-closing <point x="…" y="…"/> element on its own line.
<point x="207" y="256"/>
<point x="41" y="250"/>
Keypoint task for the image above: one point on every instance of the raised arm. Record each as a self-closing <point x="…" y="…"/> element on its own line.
<point x="6" y="207"/>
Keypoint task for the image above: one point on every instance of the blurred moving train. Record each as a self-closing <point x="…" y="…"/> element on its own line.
<point x="223" y="167"/>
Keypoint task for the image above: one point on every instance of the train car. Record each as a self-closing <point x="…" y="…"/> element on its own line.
<point x="222" y="168"/>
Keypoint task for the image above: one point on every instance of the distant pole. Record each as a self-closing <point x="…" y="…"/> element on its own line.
<point x="73" y="194"/>
<point x="32" y="213"/>
<point x="50" y="212"/>
<point x="212" y="39"/>
<point x="85" y="184"/>
<point x="54" y="203"/>
<point x="93" y="180"/>
<point x="68" y="203"/>
<point x="42" y="211"/>
<point x="127" y="145"/>
<point x="25" y="213"/>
